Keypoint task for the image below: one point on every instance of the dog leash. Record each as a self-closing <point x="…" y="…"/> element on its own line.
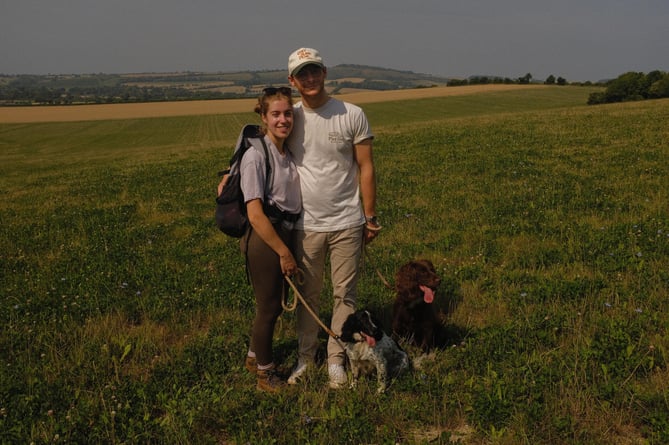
<point x="376" y="269"/>
<point x="298" y="296"/>
<point x="290" y="307"/>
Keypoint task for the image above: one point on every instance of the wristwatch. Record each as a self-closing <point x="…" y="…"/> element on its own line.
<point x="372" y="223"/>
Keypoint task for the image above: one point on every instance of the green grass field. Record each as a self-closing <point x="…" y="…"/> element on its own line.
<point x="125" y="313"/>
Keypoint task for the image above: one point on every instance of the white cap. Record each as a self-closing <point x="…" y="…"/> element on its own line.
<point x="303" y="57"/>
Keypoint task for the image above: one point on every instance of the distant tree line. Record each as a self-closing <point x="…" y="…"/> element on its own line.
<point x="522" y="80"/>
<point x="62" y="96"/>
<point x="633" y="86"/>
<point x="28" y="90"/>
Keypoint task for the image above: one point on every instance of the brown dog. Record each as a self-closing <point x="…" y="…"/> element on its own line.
<point x="414" y="315"/>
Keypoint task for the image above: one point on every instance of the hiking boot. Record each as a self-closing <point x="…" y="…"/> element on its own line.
<point x="251" y="364"/>
<point x="268" y="381"/>
<point x="338" y="377"/>
<point x="298" y="373"/>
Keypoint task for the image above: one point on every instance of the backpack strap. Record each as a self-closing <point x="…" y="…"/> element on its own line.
<point x="269" y="172"/>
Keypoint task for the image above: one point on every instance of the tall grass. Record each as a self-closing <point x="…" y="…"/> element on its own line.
<point x="126" y="315"/>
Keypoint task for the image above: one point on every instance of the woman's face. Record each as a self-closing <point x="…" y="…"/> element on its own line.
<point x="279" y="118"/>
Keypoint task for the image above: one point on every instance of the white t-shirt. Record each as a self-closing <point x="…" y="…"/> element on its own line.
<point x="285" y="190"/>
<point x="322" y="146"/>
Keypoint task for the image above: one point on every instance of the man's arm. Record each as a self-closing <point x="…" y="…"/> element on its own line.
<point x="365" y="160"/>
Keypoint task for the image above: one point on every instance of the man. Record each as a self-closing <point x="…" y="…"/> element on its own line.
<point x="331" y="144"/>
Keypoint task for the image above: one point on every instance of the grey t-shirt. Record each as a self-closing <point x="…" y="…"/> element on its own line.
<point x="285" y="190"/>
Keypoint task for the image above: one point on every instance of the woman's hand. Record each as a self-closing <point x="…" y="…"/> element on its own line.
<point x="288" y="264"/>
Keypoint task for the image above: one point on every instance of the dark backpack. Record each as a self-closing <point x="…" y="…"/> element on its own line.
<point x="231" y="216"/>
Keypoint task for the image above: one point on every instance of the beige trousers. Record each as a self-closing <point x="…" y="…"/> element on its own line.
<point x="311" y="250"/>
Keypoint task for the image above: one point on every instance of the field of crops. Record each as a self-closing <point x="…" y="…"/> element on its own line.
<point x="126" y="315"/>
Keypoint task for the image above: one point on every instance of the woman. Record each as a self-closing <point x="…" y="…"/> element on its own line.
<point x="271" y="215"/>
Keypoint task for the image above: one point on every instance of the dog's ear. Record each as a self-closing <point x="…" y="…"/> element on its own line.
<point x="348" y="328"/>
<point x="405" y="278"/>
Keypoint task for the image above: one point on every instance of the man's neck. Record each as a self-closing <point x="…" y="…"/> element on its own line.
<point x="315" y="101"/>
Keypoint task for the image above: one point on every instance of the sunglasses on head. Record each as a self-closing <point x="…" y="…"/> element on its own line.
<point x="271" y="91"/>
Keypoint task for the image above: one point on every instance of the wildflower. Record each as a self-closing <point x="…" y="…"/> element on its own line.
<point x="639" y="254"/>
<point x="638" y="310"/>
<point x="607" y="304"/>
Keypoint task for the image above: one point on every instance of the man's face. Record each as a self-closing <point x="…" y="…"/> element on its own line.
<point x="310" y="80"/>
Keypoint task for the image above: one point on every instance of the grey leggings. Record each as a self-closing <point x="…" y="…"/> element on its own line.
<point x="264" y="271"/>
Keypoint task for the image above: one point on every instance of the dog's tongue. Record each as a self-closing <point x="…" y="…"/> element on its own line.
<point x="371" y="341"/>
<point x="428" y="294"/>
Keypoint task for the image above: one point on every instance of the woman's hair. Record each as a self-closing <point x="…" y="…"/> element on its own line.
<point x="271" y="93"/>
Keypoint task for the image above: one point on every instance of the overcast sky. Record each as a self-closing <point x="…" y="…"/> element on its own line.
<point x="576" y="39"/>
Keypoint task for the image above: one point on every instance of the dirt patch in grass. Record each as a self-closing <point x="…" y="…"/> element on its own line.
<point x="74" y="113"/>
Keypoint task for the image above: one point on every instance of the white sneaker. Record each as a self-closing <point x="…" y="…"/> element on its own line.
<point x="338" y="377"/>
<point x="298" y="373"/>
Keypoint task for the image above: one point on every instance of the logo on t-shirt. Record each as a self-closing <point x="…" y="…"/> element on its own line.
<point x="335" y="137"/>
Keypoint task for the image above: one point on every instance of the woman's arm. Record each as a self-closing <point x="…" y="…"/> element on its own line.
<point x="263" y="227"/>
